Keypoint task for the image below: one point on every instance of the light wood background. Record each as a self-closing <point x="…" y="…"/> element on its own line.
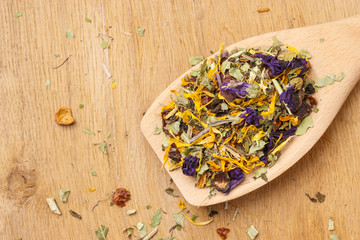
<point x="38" y="157"/>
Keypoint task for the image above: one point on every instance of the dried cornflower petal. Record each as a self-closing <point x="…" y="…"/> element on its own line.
<point x="63" y="116"/>
<point x="121" y="196"/>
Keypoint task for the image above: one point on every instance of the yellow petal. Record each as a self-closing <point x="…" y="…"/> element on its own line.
<point x="271" y="107"/>
<point x="182" y="205"/>
<point x="198" y="223"/>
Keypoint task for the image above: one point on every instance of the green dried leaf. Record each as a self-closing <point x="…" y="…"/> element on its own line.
<point x="18" y="14"/>
<point x="205" y="81"/>
<point x="141" y="31"/>
<point x="195" y="73"/>
<point x="320" y="197"/>
<point x="304" y="125"/>
<point x="108" y="135"/>
<point x="56" y="55"/>
<point x="334" y="237"/>
<point x="81" y="106"/>
<point x="254" y="148"/>
<point x="225" y="66"/>
<point x="174" y="127"/>
<point x="252" y="232"/>
<point x="47" y="83"/>
<point x="53" y="205"/>
<point x="141" y="229"/>
<point x="165" y="142"/>
<point x="170" y="191"/>
<point x="93" y="173"/>
<point x="322" y="40"/>
<point x="195" y="60"/>
<point x="88" y="20"/>
<point x="329" y="79"/>
<point x="104" y="45"/>
<point x="289" y="56"/>
<point x="131" y="212"/>
<point x="340" y="77"/>
<point x="315" y="109"/>
<point x="181" y="101"/>
<point x="102" y="232"/>
<point x="88" y="131"/>
<point x="129" y="231"/>
<point x="304" y="53"/>
<point x="224" y="106"/>
<point x="194" y="217"/>
<point x="156" y="218"/>
<point x="179" y="218"/>
<point x="185" y="137"/>
<point x="331" y="224"/>
<point x="157" y="130"/>
<point x="254" y="91"/>
<point x="64" y="195"/>
<point x="236" y="73"/>
<point x="204" y="167"/>
<point x="259" y="172"/>
<point x="148" y="206"/>
<point x="69" y="34"/>
<point x="212" y="192"/>
<point x="103" y="147"/>
<point x="298" y="82"/>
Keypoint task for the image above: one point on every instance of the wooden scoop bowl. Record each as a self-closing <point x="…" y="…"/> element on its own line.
<point x="339" y="52"/>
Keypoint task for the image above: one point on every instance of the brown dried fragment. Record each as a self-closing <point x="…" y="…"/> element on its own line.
<point x="222" y="232"/>
<point x="262" y="10"/>
<point x="174" y="153"/>
<point x="63" y="116"/>
<point x="221" y="182"/>
<point x="121" y="196"/>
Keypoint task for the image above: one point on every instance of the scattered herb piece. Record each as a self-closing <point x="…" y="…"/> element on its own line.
<point x="151" y="234"/>
<point x="235" y="213"/>
<point x="104" y="45"/>
<point x="322" y="40"/>
<point x="113" y="85"/>
<point x="148" y="206"/>
<point x="88" y="131"/>
<point x="213" y="213"/>
<point x="195" y="60"/>
<point x="74" y="214"/>
<point x="66" y="59"/>
<point x="252" y="232"/>
<point x="93" y="173"/>
<point x="199" y="223"/>
<point x="106" y="70"/>
<point x="261" y="171"/>
<point x="97" y="202"/>
<point x="311" y="198"/>
<point x="304" y="125"/>
<point x="129" y="231"/>
<point x="334" y="237"/>
<point x="320" y="197"/>
<point x="103" y="147"/>
<point x="56" y="55"/>
<point x="331" y="224"/>
<point x="329" y="79"/>
<point x="64" y="195"/>
<point x="223" y="232"/>
<point x="88" y="20"/>
<point x="156" y="218"/>
<point x="69" y="34"/>
<point x="92" y="189"/>
<point x="121" y="196"/>
<point x="81" y="106"/>
<point x="141" y="229"/>
<point x="315" y="109"/>
<point x="141" y="31"/>
<point x="53" y="205"/>
<point x="102" y="232"/>
<point x="262" y="10"/>
<point x="63" y="116"/>
<point x="182" y="205"/>
<point x="131" y="212"/>
<point x="212" y="192"/>
<point x="179" y="218"/>
<point x="47" y="83"/>
<point x="18" y="14"/>
<point x="170" y="191"/>
<point x="194" y="217"/>
<point x="108" y="135"/>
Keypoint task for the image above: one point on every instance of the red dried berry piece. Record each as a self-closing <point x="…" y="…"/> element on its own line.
<point x="223" y="232"/>
<point x="121" y="196"/>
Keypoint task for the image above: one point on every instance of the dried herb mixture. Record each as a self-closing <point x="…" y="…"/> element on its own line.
<point x="234" y="114"/>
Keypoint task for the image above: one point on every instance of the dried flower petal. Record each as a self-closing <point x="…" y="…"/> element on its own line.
<point x="63" y="116"/>
<point x="222" y="232"/>
<point x="121" y="196"/>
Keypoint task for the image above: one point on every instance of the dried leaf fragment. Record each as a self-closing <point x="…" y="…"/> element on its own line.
<point x="63" y="116"/>
<point x="252" y="232"/>
<point x="331" y="224"/>
<point x="262" y="10"/>
<point x="75" y="214"/>
<point x="141" y="31"/>
<point x="18" y="14"/>
<point x="151" y="234"/>
<point x="64" y="195"/>
<point x="102" y="232"/>
<point x="320" y="197"/>
<point x="131" y="212"/>
<point x="53" y="205"/>
<point x="129" y="231"/>
<point x="121" y="196"/>
<point x="156" y="218"/>
<point x="69" y="34"/>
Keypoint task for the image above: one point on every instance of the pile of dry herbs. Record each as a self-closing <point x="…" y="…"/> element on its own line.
<point x="234" y="114"/>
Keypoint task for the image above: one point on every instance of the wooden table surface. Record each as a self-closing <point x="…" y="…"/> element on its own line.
<point x="39" y="157"/>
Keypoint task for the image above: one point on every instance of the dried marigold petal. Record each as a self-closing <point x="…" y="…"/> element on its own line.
<point x="63" y="116"/>
<point x="261" y="10"/>
<point x="223" y="232"/>
<point x="121" y="196"/>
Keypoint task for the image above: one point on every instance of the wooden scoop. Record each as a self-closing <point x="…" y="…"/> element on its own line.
<point x="339" y="51"/>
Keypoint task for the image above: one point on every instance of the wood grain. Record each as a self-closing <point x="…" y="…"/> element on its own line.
<point x="38" y="157"/>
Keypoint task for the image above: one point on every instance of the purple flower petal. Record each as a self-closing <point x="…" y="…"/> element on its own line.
<point x="287" y="98"/>
<point x="235" y="88"/>
<point x="251" y="117"/>
<point x="189" y="165"/>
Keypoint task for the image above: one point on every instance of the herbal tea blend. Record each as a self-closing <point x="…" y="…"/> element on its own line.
<point x="234" y="114"/>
